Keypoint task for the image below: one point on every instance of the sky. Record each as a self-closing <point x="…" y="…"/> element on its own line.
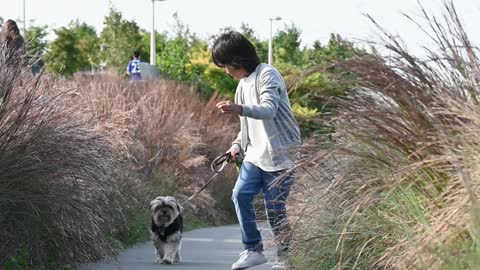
<point x="316" y="18"/>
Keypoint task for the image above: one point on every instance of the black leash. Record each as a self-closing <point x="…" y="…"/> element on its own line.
<point x="218" y="164"/>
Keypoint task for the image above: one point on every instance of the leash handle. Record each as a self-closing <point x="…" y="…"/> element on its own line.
<point x="218" y="164"/>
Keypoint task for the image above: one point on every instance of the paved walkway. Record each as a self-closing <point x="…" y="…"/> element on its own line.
<point x="211" y="248"/>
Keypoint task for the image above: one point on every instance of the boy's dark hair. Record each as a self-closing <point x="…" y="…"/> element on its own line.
<point x="233" y="49"/>
<point x="136" y="54"/>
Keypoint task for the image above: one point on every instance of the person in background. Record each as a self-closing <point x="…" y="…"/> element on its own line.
<point x="133" y="68"/>
<point x="269" y="139"/>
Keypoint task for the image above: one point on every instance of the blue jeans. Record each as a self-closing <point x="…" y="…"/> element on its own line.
<point x="249" y="183"/>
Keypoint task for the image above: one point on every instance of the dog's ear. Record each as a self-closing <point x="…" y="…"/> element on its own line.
<point x="180" y="208"/>
<point x="152" y="203"/>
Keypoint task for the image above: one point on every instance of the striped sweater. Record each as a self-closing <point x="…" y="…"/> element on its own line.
<point x="269" y="134"/>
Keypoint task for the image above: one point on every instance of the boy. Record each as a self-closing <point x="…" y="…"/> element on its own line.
<point x="133" y="68"/>
<point x="269" y="139"/>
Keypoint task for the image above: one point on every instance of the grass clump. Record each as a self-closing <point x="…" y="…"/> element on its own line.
<point x="400" y="188"/>
<point x="81" y="159"/>
<point x="57" y="175"/>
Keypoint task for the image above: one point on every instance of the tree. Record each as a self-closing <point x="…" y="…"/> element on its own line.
<point x="160" y="43"/>
<point x="261" y="46"/>
<point x="120" y="38"/>
<point x="337" y="48"/>
<point x="36" y="41"/>
<point x="36" y="46"/>
<point x="286" y="45"/>
<point x="75" y="49"/>
<point x="174" y="58"/>
<point x="205" y="74"/>
<point x="88" y="43"/>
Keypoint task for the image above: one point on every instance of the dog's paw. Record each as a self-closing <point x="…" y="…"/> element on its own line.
<point x="158" y="260"/>
<point x="177" y="257"/>
<point x="167" y="261"/>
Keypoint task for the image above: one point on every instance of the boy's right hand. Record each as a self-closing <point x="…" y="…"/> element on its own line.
<point x="234" y="152"/>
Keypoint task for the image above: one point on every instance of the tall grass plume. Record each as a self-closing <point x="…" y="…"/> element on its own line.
<point x="399" y="190"/>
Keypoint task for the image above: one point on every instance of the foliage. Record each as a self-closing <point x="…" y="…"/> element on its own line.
<point x="184" y="57"/>
<point x="87" y="43"/>
<point x="173" y="59"/>
<point x="220" y="81"/>
<point x="119" y="39"/>
<point x="36" y="41"/>
<point x="82" y="157"/>
<point x="75" y="49"/>
<point x="187" y="58"/>
<point x="261" y="46"/>
<point x="206" y="75"/>
<point x="399" y="189"/>
<point x="193" y="223"/>
<point x="304" y="112"/>
<point x="336" y="49"/>
<point x="144" y="49"/>
<point x="161" y="130"/>
<point x="316" y="79"/>
<point x="286" y="46"/>
<point x="57" y="173"/>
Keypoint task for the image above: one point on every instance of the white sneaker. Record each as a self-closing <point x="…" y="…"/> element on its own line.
<point x="249" y="259"/>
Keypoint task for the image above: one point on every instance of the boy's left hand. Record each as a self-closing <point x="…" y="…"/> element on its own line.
<point x="229" y="107"/>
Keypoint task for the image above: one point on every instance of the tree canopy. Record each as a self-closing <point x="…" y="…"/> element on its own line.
<point x="119" y="39"/>
<point x="75" y="49"/>
<point x="182" y="56"/>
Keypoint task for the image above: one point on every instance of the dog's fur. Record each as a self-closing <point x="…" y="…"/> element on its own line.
<point x="167" y="229"/>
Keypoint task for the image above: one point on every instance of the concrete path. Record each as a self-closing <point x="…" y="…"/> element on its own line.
<point x="204" y="249"/>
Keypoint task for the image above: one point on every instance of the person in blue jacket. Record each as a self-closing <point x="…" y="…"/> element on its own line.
<point x="133" y="68"/>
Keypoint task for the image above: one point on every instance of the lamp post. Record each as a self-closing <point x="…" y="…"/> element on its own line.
<point x="24" y="20"/>
<point x="270" y="49"/>
<point x="152" y="37"/>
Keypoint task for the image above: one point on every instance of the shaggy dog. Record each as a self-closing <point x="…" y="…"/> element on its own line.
<point x="167" y="228"/>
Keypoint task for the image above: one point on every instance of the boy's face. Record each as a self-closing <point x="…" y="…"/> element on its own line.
<point x="237" y="73"/>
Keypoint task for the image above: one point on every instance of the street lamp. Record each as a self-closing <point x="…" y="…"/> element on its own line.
<point x="24" y="20"/>
<point x="270" y="50"/>
<point x="152" y="37"/>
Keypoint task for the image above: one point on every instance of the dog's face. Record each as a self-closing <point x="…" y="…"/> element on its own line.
<point x="165" y="210"/>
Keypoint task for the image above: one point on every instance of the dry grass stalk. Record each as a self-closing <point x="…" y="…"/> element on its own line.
<point x="80" y="159"/>
<point x="404" y="190"/>
<point x="57" y="175"/>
